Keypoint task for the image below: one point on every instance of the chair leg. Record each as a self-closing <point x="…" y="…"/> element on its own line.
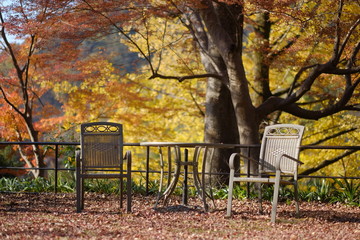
<point x="78" y="195"/>
<point x="128" y="182"/>
<point x="230" y="193"/>
<point x="82" y="191"/>
<point x="79" y="190"/>
<point x="296" y="195"/>
<point x="275" y="197"/>
<point x="128" y="194"/>
<point x="78" y="183"/>
<point x="259" y="186"/>
<point x="121" y="191"/>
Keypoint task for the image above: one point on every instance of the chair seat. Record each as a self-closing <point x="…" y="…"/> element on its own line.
<point x="101" y="175"/>
<point x="261" y="180"/>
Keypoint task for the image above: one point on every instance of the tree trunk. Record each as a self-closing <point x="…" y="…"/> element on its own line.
<point x="224" y="36"/>
<point x="261" y="63"/>
<point x="246" y="115"/>
<point x="38" y="156"/>
<point x="220" y="127"/>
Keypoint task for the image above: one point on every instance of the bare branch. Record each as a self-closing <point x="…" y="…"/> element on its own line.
<point x="348" y="35"/>
<point x="334" y="135"/>
<point x="197" y="105"/>
<point x="9" y="48"/>
<point x="183" y="78"/>
<point x="120" y="30"/>
<point x="162" y="46"/>
<point x="354" y="107"/>
<point x="297" y="77"/>
<point x="354" y="54"/>
<point x="338" y="71"/>
<point x="336" y="55"/>
<point x="326" y="163"/>
<point x="288" y="105"/>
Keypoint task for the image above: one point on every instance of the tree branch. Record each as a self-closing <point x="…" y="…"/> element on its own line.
<point x="197" y="105"/>
<point x="326" y="163"/>
<point x="348" y="35"/>
<point x="276" y="103"/>
<point x="120" y="30"/>
<point x="333" y="136"/>
<point x="183" y="78"/>
<point x="298" y="75"/>
<point x="336" y="53"/>
<point x="9" y="48"/>
<point x="338" y="71"/>
<point x="10" y="103"/>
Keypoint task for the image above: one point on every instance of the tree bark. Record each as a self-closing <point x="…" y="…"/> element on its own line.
<point x="224" y="26"/>
<point x="220" y="127"/>
<point x="261" y="64"/>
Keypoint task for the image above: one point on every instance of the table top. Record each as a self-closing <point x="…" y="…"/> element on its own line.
<point x="189" y="144"/>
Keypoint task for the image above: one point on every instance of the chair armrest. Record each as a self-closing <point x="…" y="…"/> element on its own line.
<point x="77" y="153"/>
<point x="78" y="157"/>
<point x="128" y="157"/>
<point x="232" y="159"/>
<point x="278" y="160"/>
<point x="292" y="158"/>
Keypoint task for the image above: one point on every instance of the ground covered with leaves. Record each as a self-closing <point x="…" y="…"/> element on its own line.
<point x="53" y="216"/>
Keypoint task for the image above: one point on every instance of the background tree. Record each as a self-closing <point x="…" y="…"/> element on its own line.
<point x="18" y="90"/>
<point x="295" y="47"/>
<point x="148" y="109"/>
<point x="267" y="52"/>
<point x="86" y="84"/>
<point x="26" y="62"/>
<point x="260" y="59"/>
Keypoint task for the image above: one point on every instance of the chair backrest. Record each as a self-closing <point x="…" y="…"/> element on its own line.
<point x="101" y="145"/>
<point x="280" y="139"/>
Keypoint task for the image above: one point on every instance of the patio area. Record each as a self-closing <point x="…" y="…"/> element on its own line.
<point x="53" y="216"/>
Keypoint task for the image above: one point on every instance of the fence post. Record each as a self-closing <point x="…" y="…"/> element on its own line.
<point x="147" y="169"/>
<point x="56" y="165"/>
<point x="248" y="174"/>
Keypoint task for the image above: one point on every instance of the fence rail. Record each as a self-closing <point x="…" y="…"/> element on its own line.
<point x="56" y="167"/>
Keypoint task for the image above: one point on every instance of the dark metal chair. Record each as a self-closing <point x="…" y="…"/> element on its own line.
<point x="279" y="155"/>
<point x="101" y="156"/>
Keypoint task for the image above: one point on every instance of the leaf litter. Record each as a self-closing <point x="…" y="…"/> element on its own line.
<point x="53" y="216"/>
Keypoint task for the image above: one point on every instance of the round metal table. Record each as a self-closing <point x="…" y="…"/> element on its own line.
<point x="206" y="148"/>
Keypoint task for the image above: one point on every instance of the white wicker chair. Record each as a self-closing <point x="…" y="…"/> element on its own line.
<point x="101" y="156"/>
<point x="279" y="154"/>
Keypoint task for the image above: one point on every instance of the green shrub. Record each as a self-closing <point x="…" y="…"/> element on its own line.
<point x="348" y="191"/>
<point x="319" y="190"/>
<point x="323" y="190"/>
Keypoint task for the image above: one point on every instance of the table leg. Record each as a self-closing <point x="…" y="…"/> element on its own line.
<point x="210" y="195"/>
<point x="171" y="187"/>
<point x="185" y="184"/>
<point x="200" y="184"/>
<point x="161" y="176"/>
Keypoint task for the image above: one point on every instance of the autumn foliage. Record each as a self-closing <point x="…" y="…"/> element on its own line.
<point x="232" y="66"/>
